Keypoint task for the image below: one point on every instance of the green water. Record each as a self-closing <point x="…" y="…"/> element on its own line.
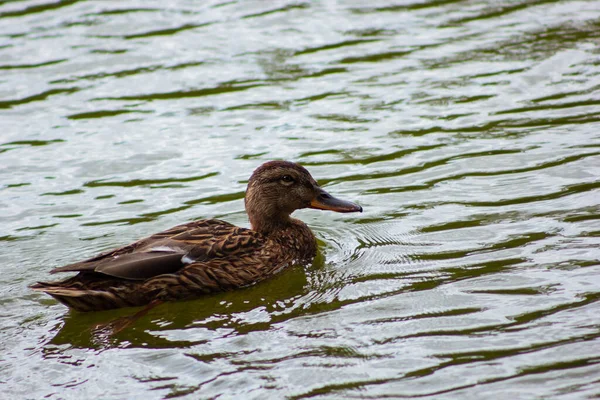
<point x="467" y="130"/>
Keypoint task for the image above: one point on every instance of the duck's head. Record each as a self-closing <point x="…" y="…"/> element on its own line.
<point x="278" y="188"/>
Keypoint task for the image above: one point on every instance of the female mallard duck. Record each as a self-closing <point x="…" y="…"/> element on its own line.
<point x="208" y="255"/>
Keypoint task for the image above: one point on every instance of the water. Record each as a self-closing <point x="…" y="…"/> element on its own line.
<point x="468" y="131"/>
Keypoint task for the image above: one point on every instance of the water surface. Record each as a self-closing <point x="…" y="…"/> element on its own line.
<point x="467" y="130"/>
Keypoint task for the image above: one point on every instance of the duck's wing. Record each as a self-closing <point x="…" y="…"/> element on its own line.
<point x="169" y="251"/>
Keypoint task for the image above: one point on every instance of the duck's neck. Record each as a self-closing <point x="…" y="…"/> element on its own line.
<point x="270" y="224"/>
<point x="291" y="233"/>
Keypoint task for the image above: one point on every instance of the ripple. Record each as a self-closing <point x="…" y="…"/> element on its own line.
<point x="148" y="182"/>
<point x="27" y="66"/>
<point x="37" y="97"/>
<point x="37" y="9"/>
<point x="103" y="114"/>
<point x="224" y="88"/>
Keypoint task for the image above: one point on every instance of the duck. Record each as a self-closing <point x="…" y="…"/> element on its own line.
<point x="208" y="255"/>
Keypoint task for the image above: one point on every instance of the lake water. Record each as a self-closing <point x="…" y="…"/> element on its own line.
<point x="467" y="130"/>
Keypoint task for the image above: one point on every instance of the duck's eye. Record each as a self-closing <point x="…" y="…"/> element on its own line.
<point x="287" y="180"/>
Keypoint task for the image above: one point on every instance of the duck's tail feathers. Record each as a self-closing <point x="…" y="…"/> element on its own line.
<point x="82" y="299"/>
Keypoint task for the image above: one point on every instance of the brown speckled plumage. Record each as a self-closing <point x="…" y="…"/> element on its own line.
<point x="205" y="256"/>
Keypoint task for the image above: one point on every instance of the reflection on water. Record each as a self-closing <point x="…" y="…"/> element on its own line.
<point x="465" y="129"/>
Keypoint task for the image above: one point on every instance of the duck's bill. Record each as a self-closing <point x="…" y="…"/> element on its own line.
<point x="325" y="201"/>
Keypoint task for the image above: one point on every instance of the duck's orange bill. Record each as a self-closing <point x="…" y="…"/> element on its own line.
<point x="325" y="201"/>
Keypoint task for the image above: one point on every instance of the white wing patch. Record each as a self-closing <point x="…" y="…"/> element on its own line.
<point x="165" y="249"/>
<point x="187" y="260"/>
